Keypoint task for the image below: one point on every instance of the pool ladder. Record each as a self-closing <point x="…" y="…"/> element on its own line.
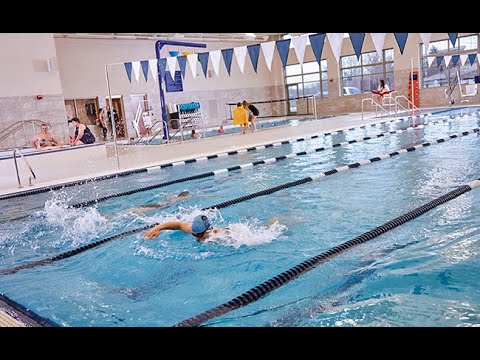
<point x="16" y="168"/>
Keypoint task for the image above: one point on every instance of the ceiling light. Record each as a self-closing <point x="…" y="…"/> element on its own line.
<point x="252" y="35"/>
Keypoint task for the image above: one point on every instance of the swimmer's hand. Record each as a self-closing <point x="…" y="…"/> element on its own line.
<point x="153" y="233"/>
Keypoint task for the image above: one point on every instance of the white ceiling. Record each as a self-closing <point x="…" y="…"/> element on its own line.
<point x="171" y="36"/>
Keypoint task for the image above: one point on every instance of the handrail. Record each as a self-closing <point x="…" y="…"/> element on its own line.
<point x="376" y="104"/>
<point x="141" y="137"/>
<point x="16" y="168"/>
<point x="9" y="130"/>
<point x="182" y="126"/>
<point x="414" y="107"/>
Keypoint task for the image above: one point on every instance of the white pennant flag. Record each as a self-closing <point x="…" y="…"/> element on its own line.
<point x="447" y="59"/>
<point x="299" y="43"/>
<point x="153" y="68"/>
<point x="463" y="58"/>
<point x="430" y="60"/>
<point x="136" y="69"/>
<point x="378" y="41"/>
<point x="335" y="40"/>
<point x="172" y="64"/>
<point x="215" y="60"/>
<point x="192" y="61"/>
<point x="426" y="40"/>
<point x="268" y="49"/>
<point x="241" y="53"/>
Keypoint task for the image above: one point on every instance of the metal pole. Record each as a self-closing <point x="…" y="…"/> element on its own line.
<point x="315" y="107"/>
<point x="112" y="118"/>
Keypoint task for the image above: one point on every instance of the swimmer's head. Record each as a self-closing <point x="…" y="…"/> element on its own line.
<point x="200" y="225"/>
<point x="184" y="193"/>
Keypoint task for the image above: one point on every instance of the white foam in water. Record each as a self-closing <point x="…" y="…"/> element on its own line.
<point x="77" y="225"/>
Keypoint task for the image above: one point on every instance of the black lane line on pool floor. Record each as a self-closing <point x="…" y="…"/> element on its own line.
<point x="285" y="277"/>
<point x="225" y="204"/>
<point x="209" y="157"/>
<point x="20" y="312"/>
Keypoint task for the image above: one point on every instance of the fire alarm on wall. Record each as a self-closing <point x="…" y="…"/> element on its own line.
<point x="39" y="97"/>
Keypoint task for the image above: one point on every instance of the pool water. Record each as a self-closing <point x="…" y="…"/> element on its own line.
<point x="423" y="273"/>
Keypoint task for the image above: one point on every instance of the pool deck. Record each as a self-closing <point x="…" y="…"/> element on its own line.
<point x="58" y="167"/>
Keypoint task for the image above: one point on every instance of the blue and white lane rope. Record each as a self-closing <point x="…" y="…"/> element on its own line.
<point x="244" y="166"/>
<point x="265" y="288"/>
<point x="188" y="161"/>
<point x="225" y="204"/>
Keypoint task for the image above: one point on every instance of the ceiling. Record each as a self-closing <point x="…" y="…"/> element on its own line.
<point x="171" y="36"/>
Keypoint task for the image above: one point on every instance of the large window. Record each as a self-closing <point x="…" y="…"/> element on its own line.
<point x="364" y="75"/>
<point x="307" y="79"/>
<point x="442" y="74"/>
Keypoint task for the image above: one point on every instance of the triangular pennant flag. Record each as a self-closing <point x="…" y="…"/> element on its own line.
<point x="227" y="55"/>
<point x="203" y="58"/>
<point x="268" y="48"/>
<point x="439" y="60"/>
<point x="128" y="69"/>
<point x="426" y="40"/>
<point x="215" y="58"/>
<point x="336" y="41"/>
<point x="430" y="60"/>
<point x="447" y="59"/>
<point x="299" y="44"/>
<point x="453" y="38"/>
<point x="144" y="64"/>
<point x="182" y="62"/>
<point x="136" y="70"/>
<point x="154" y="68"/>
<point x="401" y="40"/>
<point x="241" y="53"/>
<point x="162" y="63"/>
<point x="172" y="64"/>
<point x="192" y="61"/>
<point x="357" y="43"/>
<point x="317" y="41"/>
<point x="283" y="47"/>
<point x="471" y="58"/>
<point x="463" y="58"/>
<point x="455" y="59"/>
<point x="378" y="41"/>
<point x="254" y="52"/>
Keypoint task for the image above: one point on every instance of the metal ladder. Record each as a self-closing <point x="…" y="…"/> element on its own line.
<point x="16" y="168"/>
<point x="20" y="125"/>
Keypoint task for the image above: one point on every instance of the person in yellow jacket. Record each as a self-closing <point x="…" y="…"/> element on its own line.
<point x="240" y="117"/>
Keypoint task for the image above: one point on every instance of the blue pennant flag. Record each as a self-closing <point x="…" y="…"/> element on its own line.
<point x="455" y="59"/>
<point x="471" y="58"/>
<point x="182" y="61"/>
<point x="317" y="41"/>
<point x="283" y="47"/>
<point x="162" y="63"/>
<point x="144" y="64"/>
<point x="203" y="58"/>
<point x="254" y="52"/>
<point x="357" y="43"/>
<point x="401" y="40"/>
<point x="128" y="69"/>
<point x="439" y="60"/>
<point x="227" y="55"/>
<point x="453" y="37"/>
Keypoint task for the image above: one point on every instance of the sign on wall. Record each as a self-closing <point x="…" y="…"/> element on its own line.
<point x="173" y="85"/>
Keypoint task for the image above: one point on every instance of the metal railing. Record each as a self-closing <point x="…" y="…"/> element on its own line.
<point x="412" y="106"/>
<point x="16" y="168"/>
<point x="21" y="125"/>
<point x="146" y="134"/>
<point x="375" y="105"/>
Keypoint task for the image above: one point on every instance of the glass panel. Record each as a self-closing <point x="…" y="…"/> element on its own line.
<point x="292" y="93"/>
<point x="348" y="61"/>
<point x="324" y="76"/>
<point x="437" y="47"/>
<point x="468" y="72"/>
<point x="351" y="72"/>
<point x="389" y="67"/>
<point x="324" y="88"/>
<point x="371" y="58"/>
<point x="435" y="76"/>
<point x="294" y="79"/>
<point x="312" y="88"/>
<point x="388" y="55"/>
<point x="293" y="69"/>
<point x="375" y="69"/>
<point x="352" y="85"/>
<point x="468" y="42"/>
<point x="311" y="77"/>
<point x="323" y="65"/>
<point x="389" y="80"/>
<point x="311" y="67"/>
<point x="370" y="82"/>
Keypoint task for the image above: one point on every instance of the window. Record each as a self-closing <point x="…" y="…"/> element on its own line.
<point x="442" y="74"/>
<point x="364" y="75"/>
<point x="310" y="79"/>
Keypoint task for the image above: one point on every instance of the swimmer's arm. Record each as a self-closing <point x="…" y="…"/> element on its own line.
<point x="170" y="225"/>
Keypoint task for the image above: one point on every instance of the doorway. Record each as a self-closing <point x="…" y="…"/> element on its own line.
<point x="139" y="106"/>
<point x="292" y="99"/>
<point x="121" y="128"/>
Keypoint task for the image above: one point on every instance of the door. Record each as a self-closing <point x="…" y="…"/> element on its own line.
<point x="292" y="102"/>
<point x="139" y="106"/>
<point x="121" y="128"/>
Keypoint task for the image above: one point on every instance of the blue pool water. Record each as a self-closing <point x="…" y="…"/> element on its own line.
<point x="423" y="273"/>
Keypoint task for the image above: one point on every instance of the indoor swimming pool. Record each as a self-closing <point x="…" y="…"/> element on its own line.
<point x="422" y="273"/>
